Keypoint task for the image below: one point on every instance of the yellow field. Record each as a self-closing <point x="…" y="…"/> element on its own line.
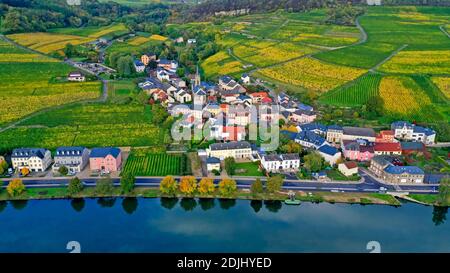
<point x="444" y="84"/>
<point x="158" y="38"/>
<point x="47" y="42"/>
<point x="44" y="95"/>
<point x="221" y="64"/>
<point x="399" y="97"/>
<point x="312" y="74"/>
<point x="424" y="62"/>
<point x="24" y="58"/>
<point x="105" y="31"/>
<point x="139" y="40"/>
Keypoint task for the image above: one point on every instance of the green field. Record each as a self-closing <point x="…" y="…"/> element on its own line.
<point x="88" y="125"/>
<point x="355" y="93"/>
<point x="248" y="169"/>
<point x="93" y="31"/>
<point x="155" y="165"/>
<point x="31" y="82"/>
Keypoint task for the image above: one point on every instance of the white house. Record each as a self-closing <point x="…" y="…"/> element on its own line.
<point x="245" y="78"/>
<point x="199" y="95"/>
<point x="348" y="168"/>
<point x="407" y="131"/>
<point x="73" y="158"/>
<point x="139" y="66"/>
<point x="277" y="163"/>
<point x="212" y="163"/>
<point x="183" y="96"/>
<point x="235" y="149"/>
<point x="34" y="159"/>
<point x="329" y="153"/>
<point x="76" y="76"/>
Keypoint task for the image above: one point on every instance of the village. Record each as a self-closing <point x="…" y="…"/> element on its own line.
<point x="229" y="109"/>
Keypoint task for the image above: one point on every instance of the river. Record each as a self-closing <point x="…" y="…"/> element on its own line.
<point x="188" y="225"/>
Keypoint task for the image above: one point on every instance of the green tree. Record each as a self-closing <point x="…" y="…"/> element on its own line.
<point x="291" y="147"/>
<point x="104" y="186"/>
<point x="15" y="187"/>
<point x="230" y="165"/>
<point x="444" y="191"/>
<point x="63" y="170"/>
<point x="168" y="185"/>
<point x="3" y="166"/>
<point x="227" y="187"/>
<point x="159" y="114"/>
<point x="257" y="187"/>
<point x="75" y="186"/>
<point x="127" y="182"/>
<point x="313" y="162"/>
<point x="274" y="183"/>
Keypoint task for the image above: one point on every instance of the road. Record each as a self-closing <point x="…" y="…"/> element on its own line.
<point x="368" y="184"/>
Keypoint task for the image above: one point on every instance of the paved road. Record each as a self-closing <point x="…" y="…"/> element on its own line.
<point x="369" y="184"/>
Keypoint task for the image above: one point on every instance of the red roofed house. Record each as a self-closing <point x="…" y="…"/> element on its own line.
<point x="385" y="136"/>
<point x="355" y="151"/>
<point x="388" y="148"/>
<point x="258" y="96"/>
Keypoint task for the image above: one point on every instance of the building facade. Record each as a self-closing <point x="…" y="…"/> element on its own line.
<point x="235" y="149"/>
<point x="74" y="158"/>
<point x="33" y="159"/>
<point x="105" y="159"/>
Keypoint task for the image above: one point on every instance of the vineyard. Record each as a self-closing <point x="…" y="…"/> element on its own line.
<point x="312" y="74"/>
<point x="354" y="94"/>
<point x="47" y="42"/>
<point x="423" y="62"/>
<point x="155" y="165"/>
<point x="92" y="31"/>
<point x="443" y="83"/>
<point x="221" y="64"/>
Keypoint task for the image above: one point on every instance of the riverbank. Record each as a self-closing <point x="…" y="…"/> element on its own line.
<point x="143" y="192"/>
<point x="429" y="199"/>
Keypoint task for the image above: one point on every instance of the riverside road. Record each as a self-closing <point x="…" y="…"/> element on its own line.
<point x="367" y="184"/>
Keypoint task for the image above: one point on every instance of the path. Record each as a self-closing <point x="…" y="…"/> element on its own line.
<point x="445" y="31"/>
<point x="388" y="58"/>
<point x="102" y="98"/>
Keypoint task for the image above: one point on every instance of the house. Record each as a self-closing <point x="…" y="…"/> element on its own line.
<point x="309" y="139"/>
<point x="277" y="163"/>
<point x="358" y="150"/>
<point x="163" y="75"/>
<point x="334" y="133"/>
<point x="177" y="82"/>
<point x="227" y="133"/>
<point x="139" y="66"/>
<point x="228" y="83"/>
<point x="412" y="147"/>
<point x="245" y="78"/>
<point x="243" y="99"/>
<point x="212" y="108"/>
<point x="212" y="163"/>
<point x="266" y="113"/>
<point x="33" y="159"/>
<point x="407" y="131"/>
<point x="73" y="158"/>
<point x="393" y="148"/>
<point x="191" y="41"/>
<point x="354" y="133"/>
<point x="199" y="95"/>
<point x="317" y="128"/>
<point x="105" y="159"/>
<point x="348" y="168"/>
<point x="182" y="96"/>
<point x="170" y="66"/>
<point x="147" y="58"/>
<point x="383" y="168"/>
<point x="302" y="116"/>
<point x="235" y="149"/>
<point x="329" y="153"/>
<point x="179" y="40"/>
<point x="385" y="136"/>
<point x="76" y="76"/>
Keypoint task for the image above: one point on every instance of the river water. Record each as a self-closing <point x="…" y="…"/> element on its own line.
<point x="193" y="225"/>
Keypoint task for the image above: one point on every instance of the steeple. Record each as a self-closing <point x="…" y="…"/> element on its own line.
<point x="197" y="80"/>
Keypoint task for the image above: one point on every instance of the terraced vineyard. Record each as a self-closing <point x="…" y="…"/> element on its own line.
<point x="356" y="93"/>
<point x="155" y="165"/>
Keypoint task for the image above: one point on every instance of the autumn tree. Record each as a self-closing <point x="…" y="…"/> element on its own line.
<point x="15" y="187"/>
<point x="313" y="162"/>
<point x="188" y="185"/>
<point x="168" y="185"/>
<point x="206" y="186"/>
<point x="274" y="183"/>
<point x="291" y="147"/>
<point x="257" y="187"/>
<point x="75" y="186"/>
<point x="25" y="171"/>
<point x="227" y="187"/>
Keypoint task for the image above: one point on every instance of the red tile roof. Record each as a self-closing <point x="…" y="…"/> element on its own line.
<point x="388" y="147"/>
<point x="351" y="164"/>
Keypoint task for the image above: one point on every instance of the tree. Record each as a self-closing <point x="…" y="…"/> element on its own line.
<point x="3" y="166"/>
<point x="274" y="183"/>
<point x="257" y="187"/>
<point x="230" y="165"/>
<point x="63" y="170"/>
<point x="206" y="186"/>
<point x="104" y="186"/>
<point x="25" y="171"/>
<point x="159" y="114"/>
<point x="291" y="147"/>
<point x="227" y="187"/>
<point x="444" y="191"/>
<point x="15" y="187"/>
<point x="188" y="185"/>
<point x="313" y="162"/>
<point x="75" y="186"/>
<point x="374" y="106"/>
<point x="127" y="182"/>
<point x="168" y="185"/>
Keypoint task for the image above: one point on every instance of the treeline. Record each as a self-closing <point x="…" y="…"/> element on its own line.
<point x="417" y="2"/>
<point x="209" y="8"/>
<point x="40" y="15"/>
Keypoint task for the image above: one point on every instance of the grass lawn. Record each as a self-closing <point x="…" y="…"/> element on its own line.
<point x="248" y="169"/>
<point x="337" y="175"/>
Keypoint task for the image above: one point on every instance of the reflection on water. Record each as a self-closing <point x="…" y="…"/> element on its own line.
<point x="218" y="225"/>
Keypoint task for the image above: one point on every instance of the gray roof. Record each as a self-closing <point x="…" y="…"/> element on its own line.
<point x="290" y="156"/>
<point x="230" y="145"/>
<point x="272" y="157"/>
<point x="28" y="152"/>
<point x="70" y="151"/>
<point x="212" y="160"/>
<point x="358" y="131"/>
